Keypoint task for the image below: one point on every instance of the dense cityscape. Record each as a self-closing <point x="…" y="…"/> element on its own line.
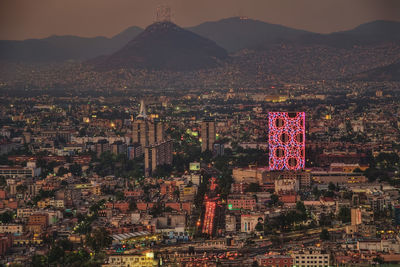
<point x="281" y="155"/>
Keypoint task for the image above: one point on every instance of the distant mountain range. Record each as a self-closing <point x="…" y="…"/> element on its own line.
<point x="237" y="33"/>
<point x="389" y="72"/>
<point x="164" y="46"/>
<point x="277" y="49"/>
<point x="62" y="48"/>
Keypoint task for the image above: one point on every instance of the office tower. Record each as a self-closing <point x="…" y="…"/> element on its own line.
<point x="207" y="135"/>
<point x="156" y="155"/>
<point x="146" y="131"/>
<point x="286" y="140"/>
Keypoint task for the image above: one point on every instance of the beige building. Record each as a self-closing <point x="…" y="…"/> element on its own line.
<point x="156" y="155"/>
<point x="324" y="177"/>
<point x="248" y="222"/>
<point x="310" y="258"/>
<point x="250" y="175"/>
<point x="286" y="185"/>
<point x="147" y="132"/>
<point x="361" y="216"/>
<point x="11" y="228"/>
<point x="130" y="260"/>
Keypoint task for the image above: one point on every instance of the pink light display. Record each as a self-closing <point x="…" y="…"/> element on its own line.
<point x="286" y="140"/>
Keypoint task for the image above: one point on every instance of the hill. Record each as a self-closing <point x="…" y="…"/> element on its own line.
<point x="164" y="46"/>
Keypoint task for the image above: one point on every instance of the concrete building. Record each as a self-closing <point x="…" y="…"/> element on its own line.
<point x="240" y="201"/>
<point x="248" y="222"/>
<point x="156" y="155"/>
<point x="310" y="258"/>
<point x="207" y="135"/>
<point x="250" y="175"/>
<point x="146" y="131"/>
<point x="286" y="185"/>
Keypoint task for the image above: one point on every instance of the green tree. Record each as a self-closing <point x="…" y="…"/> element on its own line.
<point x="274" y="199"/>
<point x="324" y="234"/>
<point x="39" y="261"/>
<point x="61" y="171"/>
<point x="21" y="188"/>
<point x="344" y="214"/>
<point x="6" y="217"/>
<point x="259" y="227"/>
<point x="76" y="169"/>
<point x="98" y="239"/>
<point x="332" y="186"/>
<point x="301" y="207"/>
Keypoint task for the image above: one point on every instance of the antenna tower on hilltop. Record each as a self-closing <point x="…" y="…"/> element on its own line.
<point x="163" y="13"/>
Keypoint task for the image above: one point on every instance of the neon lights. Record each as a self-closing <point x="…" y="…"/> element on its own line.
<point x="286" y="140"/>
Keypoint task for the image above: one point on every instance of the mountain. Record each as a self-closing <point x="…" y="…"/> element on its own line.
<point x="371" y="33"/>
<point x="383" y="28"/>
<point x="389" y="72"/>
<point x="61" y="48"/>
<point x="232" y="34"/>
<point x="164" y="45"/>
<point x="237" y="33"/>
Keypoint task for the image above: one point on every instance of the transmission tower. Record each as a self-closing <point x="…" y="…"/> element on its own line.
<point x="163" y="13"/>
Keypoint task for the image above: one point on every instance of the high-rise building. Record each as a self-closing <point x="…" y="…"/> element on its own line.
<point x="150" y="134"/>
<point x="286" y="140"/>
<point x="146" y="131"/>
<point x="207" y="135"/>
<point x="156" y="155"/>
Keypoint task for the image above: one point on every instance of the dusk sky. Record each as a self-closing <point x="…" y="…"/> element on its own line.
<point x="22" y="19"/>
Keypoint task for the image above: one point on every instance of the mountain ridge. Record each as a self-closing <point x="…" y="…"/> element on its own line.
<point x="164" y="45"/>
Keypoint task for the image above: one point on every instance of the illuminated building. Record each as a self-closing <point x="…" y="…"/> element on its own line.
<point x="286" y="140"/>
<point x="207" y="135"/>
<point x="125" y="260"/>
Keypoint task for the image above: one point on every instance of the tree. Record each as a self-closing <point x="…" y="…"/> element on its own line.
<point x="379" y="260"/>
<point x="324" y="234"/>
<point x="300" y="206"/>
<point x="119" y="195"/>
<point x="76" y="169"/>
<point x="56" y="254"/>
<point x="21" y="188"/>
<point x="132" y="205"/>
<point x="253" y="187"/>
<point x="274" y="199"/>
<point x="98" y="239"/>
<point x="38" y="261"/>
<point x="344" y="214"/>
<point x="259" y="227"/>
<point x="6" y="217"/>
<point x="61" y="171"/>
<point x="332" y="186"/>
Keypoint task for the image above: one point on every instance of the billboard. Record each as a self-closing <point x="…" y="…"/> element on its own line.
<point x="194" y="166"/>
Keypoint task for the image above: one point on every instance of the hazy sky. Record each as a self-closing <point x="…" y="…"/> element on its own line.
<point x="22" y="19"/>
